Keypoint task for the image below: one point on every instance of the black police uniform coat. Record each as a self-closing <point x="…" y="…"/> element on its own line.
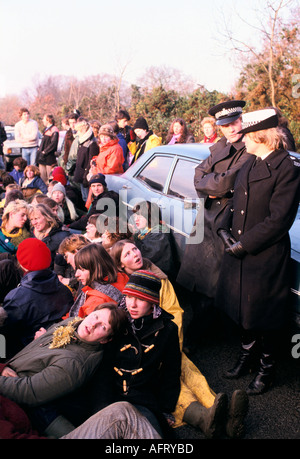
<point x="215" y="176"/>
<point x="254" y="290"/>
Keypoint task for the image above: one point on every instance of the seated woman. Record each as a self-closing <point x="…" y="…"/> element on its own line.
<point x="197" y="405"/>
<point x="32" y="182"/>
<point x="58" y="362"/>
<point x="154" y="238"/>
<point x="179" y="133"/>
<point x="92" y="233"/>
<point x="68" y="212"/>
<point x="100" y="278"/>
<point x="98" y="191"/>
<point x="13" y="230"/>
<point x="147" y="362"/>
<point x="39" y="300"/>
<point x="112" y="230"/>
<point x="47" y="227"/>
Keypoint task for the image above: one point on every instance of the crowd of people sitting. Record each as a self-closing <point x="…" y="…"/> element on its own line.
<point x="92" y="324"/>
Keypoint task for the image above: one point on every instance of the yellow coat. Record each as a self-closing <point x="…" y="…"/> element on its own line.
<point x="194" y="387"/>
<point x="151" y="142"/>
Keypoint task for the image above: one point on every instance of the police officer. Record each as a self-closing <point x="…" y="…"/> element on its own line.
<point x="254" y="280"/>
<point x="214" y="180"/>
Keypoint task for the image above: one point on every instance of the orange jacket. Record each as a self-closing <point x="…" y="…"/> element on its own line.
<point x="94" y="297"/>
<point x="110" y="159"/>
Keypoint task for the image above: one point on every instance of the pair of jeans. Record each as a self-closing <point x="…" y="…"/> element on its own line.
<point x="121" y="420"/>
<point x="29" y="154"/>
<point x="84" y="192"/>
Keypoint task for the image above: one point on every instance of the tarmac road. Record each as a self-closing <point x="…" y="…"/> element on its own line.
<point x="273" y="415"/>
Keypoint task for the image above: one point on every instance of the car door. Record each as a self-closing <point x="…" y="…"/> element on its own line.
<point x="180" y="204"/>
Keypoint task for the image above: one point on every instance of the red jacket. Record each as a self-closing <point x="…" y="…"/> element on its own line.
<point x="94" y="297"/>
<point x="110" y="159"/>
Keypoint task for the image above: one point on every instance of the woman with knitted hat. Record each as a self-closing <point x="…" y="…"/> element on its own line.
<point x="198" y="404"/>
<point x="147" y="139"/>
<point x="58" y="174"/>
<point x="13" y="230"/>
<point x="39" y="300"/>
<point x="98" y="191"/>
<point x="110" y="159"/>
<point x="147" y="362"/>
<point x="68" y="214"/>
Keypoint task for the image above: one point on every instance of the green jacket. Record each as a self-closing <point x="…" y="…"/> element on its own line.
<point x="46" y="374"/>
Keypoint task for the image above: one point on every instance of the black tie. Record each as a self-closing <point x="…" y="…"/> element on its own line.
<point x="258" y="160"/>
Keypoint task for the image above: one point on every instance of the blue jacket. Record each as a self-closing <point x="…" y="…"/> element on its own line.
<point x="39" y="301"/>
<point x="17" y="175"/>
<point x="37" y="182"/>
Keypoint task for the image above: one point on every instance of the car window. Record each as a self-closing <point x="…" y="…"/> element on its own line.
<point x="182" y="182"/>
<point x="156" y="172"/>
<point x="10" y="136"/>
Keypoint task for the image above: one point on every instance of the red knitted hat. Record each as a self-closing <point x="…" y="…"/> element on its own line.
<point x="33" y="254"/>
<point x="59" y="175"/>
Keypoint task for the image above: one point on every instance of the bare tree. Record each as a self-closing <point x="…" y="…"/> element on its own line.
<point x="270" y="22"/>
<point x="168" y="78"/>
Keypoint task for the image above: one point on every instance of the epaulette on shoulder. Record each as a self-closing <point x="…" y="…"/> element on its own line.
<point x="295" y="160"/>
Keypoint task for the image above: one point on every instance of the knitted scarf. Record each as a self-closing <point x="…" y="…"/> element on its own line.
<point x="107" y="289"/>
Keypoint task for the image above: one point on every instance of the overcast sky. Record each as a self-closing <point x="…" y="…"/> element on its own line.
<point x="88" y="37"/>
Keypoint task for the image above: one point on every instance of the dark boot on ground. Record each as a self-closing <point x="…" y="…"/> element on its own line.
<point x="266" y="372"/>
<point x="265" y="376"/>
<point x="238" y="408"/>
<point x="245" y="360"/>
<point x="211" y="421"/>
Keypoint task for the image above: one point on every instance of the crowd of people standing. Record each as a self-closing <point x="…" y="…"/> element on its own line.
<point x="88" y="303"/>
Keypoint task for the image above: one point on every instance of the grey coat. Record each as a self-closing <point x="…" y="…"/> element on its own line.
<point x="46" y="374"/>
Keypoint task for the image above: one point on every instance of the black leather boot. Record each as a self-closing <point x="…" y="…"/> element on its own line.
<point x="243" y="365"/>
<point x="265" y="376"/>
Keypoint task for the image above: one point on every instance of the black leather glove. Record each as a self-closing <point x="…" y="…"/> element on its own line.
<point x="236" y="250"/>
<point x="227" y="238"/>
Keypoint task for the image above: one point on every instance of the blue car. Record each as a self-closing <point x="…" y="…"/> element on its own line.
<point x="165" y="175"/>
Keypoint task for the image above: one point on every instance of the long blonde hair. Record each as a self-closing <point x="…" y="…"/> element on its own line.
<point x="13" y="207"/>
<point x="51" y="218"/>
